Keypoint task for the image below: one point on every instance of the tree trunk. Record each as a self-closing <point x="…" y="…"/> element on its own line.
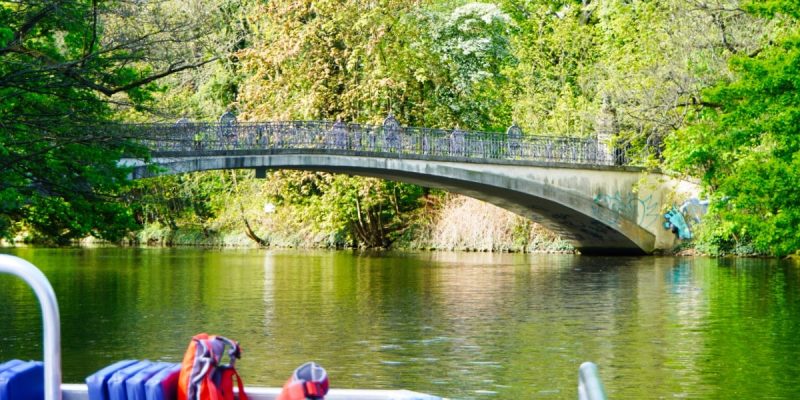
<point x="247" y="229"/>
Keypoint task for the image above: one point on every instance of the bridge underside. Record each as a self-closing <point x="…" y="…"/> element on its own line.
<point x="522" y="190"/>
<point x="585" y="233"/>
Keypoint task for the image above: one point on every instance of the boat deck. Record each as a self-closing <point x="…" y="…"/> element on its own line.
<point x="73" y="391"/>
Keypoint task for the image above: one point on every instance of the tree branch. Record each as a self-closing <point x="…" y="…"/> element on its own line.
<point x="109" y="91"/>
<point x="88" y="49"/>
<point x="695" y="102"/>
<point x="723" y="31"/>
<point x="26" y="27"/>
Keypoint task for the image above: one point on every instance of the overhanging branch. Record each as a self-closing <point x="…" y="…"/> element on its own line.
<point x="110" y="91"/>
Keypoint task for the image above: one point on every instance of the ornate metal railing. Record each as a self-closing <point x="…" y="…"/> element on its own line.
<point x="388" y="139"/>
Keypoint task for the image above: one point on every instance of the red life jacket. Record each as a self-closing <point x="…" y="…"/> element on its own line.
<point x="203" y="376"/>
<point x="309" y="381"/>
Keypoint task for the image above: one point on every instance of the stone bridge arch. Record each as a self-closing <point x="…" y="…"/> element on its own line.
<point x="596" y="208"/>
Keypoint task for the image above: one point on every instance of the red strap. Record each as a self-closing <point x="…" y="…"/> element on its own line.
<point x="242" y="394"/>
<point x="226" y="384"/>
<point x="211" y="389"/>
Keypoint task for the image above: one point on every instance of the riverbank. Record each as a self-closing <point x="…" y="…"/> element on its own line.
<point x="462" y="224"/>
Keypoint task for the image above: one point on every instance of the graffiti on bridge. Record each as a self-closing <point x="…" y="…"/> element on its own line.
<point x="681" y="219"/>
<point x="644" y="211"/>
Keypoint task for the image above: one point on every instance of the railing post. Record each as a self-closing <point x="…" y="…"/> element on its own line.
<point x="590" y="387"/>
<point x="457" y="148"/>
<point x="50" y="319"/>
<point x="391" y="134"/>
<point x="339" y="135"/>
<point x="228" y="133"/>
<point x="513" y="138"/>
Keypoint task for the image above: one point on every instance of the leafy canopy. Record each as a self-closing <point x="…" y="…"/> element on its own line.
<point x="746" y="145"/>
<point x="66" y="66"/>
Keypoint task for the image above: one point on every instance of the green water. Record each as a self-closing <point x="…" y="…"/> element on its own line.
<point x="459" y="325"/>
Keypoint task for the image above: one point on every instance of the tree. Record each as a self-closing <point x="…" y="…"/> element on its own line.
<point x="67" y="67"/>
<point x="472" y="43"/>
<point x="649" y="59"/>
<point x="357" y="62"/>
<point x="745" y="143"/>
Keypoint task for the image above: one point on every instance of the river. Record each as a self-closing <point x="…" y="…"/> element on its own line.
<point x="461" y="325"/>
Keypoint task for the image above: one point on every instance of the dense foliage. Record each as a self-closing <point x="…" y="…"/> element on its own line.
<point x="66" y="66"/>
<point x="706" y="88"/>
<point x="359" y="62"/>
<point x="745" y="144"/>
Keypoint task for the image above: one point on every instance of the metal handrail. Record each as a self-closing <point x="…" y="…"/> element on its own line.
<point x="50" y="319"/>
<point x="590" y="387"/>
<point x="203" y="139"/>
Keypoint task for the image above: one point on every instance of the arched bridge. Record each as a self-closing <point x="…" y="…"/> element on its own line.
<point x="574" y="186"/>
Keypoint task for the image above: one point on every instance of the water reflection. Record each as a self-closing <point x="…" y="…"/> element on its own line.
<point x="462" y="325"/>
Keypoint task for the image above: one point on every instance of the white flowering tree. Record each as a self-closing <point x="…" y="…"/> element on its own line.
<point x="473" y="45"/>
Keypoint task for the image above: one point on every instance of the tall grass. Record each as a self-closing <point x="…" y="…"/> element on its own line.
<point x="469" y="224"/>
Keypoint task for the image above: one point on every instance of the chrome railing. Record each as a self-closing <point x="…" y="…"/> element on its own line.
<point x="50" y="319"/>
<point x="590" y="387"/>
